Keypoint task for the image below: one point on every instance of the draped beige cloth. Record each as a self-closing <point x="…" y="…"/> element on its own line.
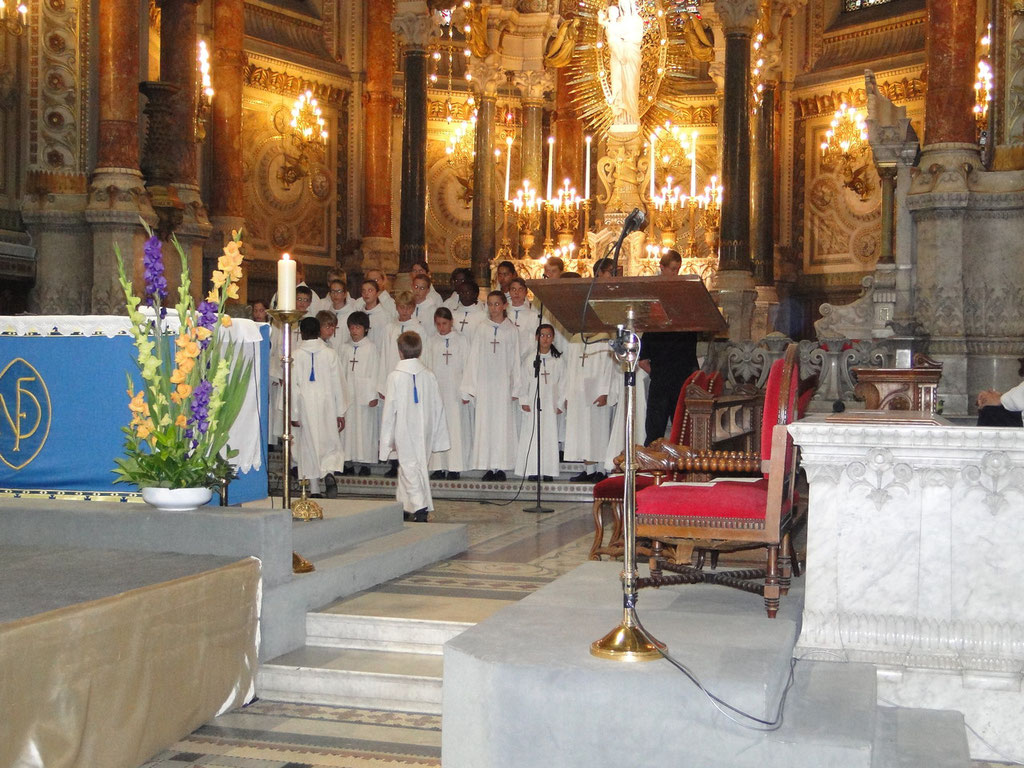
<point x="111" y="682"/>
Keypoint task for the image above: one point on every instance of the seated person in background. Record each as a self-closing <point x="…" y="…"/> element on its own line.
<point x="1001" y="410"/>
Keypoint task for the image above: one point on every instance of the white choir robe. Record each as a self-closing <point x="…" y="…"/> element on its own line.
<point x="384" y="298"/>
<point x="342" y="314"/>
<point x="391" y="334"/>
<point x="552" y="398"/>
<point x="446" y="356"/>
<point x="363" y="383"/>
<point x="318" y="401"/>
<point x="590" y="373"/>
<point x="490" y="381"/>
<point x="380" y="318"/>
<point x="413" y="426"/>
<point x="424" y="312"/>
<point x="452" y="302"/>
<point x="526" y="319"/>
<point x="276" y="404"/>
<point x="561" y="343"/>
<point x="465" y="319"/>
<point x="617" y="439"/>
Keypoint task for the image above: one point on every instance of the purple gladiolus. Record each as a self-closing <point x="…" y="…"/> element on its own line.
<point x="200" y="418"/>
<point x="207" y="318"/>
<point x="153" y="273"/>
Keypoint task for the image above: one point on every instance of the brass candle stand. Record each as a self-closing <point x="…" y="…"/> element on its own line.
<point x="505" y="249"/>
<point x="584" y="252"/>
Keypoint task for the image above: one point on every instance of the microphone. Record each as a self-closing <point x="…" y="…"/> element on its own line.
<point x="635" y="221"/>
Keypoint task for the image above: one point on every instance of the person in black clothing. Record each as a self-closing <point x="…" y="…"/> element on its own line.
<point x="668" y="357"/>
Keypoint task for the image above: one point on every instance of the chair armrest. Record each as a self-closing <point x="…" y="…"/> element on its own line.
<point x="745" y="462"/>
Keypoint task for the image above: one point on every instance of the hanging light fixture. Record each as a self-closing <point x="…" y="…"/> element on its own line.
<point x="983" y="84"/>
<point x="204" y="90"/>
<point x="308" y="135"/>
<point x="846" y="142"/>
<point x="14" y="17"/>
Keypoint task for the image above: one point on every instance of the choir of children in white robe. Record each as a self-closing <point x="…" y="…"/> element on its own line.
<point x="412" y="426"/>
<point x="446" y="354"/>
<point x="491" y="382"/>
<point x="426" y="301"/>
<point x="377" y="312"/>
<point x="468" y="311"/>
<point x="405" y="321"/>
<point x="319" y="406"/>
<point x="590" y="380"/>
<point x="361" y="372"/>
<point x="551" y="375"/>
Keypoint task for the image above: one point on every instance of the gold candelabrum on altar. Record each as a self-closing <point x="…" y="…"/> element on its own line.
<point x="527" y="209"/>
<point x="564" y="209"/>
<point x="13" y="17"/>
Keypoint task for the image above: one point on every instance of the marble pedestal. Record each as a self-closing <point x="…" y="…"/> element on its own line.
<point x="913" y="564"/>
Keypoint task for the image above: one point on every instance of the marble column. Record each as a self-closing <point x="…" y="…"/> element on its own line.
<point x="178" y="67"/>
<point x="414" y="26"/>
<point x="763" y="215"/>
<point x="227" y="207"/>
<point x="734" y="286"/>
<point x="532" y="86"/>
<point x="116" y="193"/>
<point x="484" y="187"/>
<point x="568" y="135"/>
<point x="378" y="242"/>
<point x="950" y="53"/>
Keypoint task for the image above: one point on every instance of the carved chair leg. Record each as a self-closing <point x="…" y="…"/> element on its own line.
<point x="700" y="559"/>
<point x="785" y="565"/>
<point x="771" y="582"/>
<point x="656" y="557"/>
<point x="598" y="530"/>
<point x="794" y="560"/>
<point x="616" y="539"/>
<point x="714" y="559"/>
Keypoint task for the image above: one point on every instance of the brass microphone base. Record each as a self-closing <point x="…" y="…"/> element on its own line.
<point x="627" y="642"/>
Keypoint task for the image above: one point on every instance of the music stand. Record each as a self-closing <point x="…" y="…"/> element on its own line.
<point x="628" y="306"/>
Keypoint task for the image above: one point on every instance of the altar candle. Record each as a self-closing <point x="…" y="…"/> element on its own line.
<point x="693" y="167"/>
<point x="286" y="283"/>
<point x="551" y="163"/>
<point x="508" y="163"/>
<point x="652" y="165"/>
<point x="586" y="186"/>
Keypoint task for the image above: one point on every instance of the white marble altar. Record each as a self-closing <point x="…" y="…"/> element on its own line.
<point x="913" y="564"/>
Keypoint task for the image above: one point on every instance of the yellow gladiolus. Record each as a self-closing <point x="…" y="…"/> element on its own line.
<point x="181" y="421"/>
<point x="225" y="321"/>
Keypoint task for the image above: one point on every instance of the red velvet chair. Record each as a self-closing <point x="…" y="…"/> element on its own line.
<point x="609" y="491"/>
<point x="732" y="515"/>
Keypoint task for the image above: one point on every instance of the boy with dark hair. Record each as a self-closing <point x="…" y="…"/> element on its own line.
<point x="360" y="367"/>
<point x="413" y="426"/>
<point x="445" y="354"/>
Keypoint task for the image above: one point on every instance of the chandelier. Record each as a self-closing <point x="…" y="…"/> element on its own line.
<point x="845" y="143"/>
<point x="14" y="17"/>
<point x="460" y="119"/>
<point x="204" y="90"/>
<point x="308" y="135"/>
<point x="983" y="83"/>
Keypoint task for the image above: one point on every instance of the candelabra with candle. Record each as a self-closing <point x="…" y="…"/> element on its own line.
<point x="711" y="219"/>
<point x="668" y="212"/>
<point x="527" y="208"/>
<point x="565" y="209"/>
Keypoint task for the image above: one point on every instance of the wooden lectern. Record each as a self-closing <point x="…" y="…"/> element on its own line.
<point x="625" y="307"/>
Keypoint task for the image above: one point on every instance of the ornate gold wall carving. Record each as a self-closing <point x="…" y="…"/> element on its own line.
<point x="284" y="84"/>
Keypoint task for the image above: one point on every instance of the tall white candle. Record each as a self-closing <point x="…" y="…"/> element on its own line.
<point x="551" y="163"/>
<point x="286" y="283"/>
<point x="586" y="185"/>
<point x="693" y="167"/>
<point x="508" y="162"/>
<point x="652" y="165"/>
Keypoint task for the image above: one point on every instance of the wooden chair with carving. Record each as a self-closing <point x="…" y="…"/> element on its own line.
<point x="730" y="515"/>
<point x="608" y="492"/>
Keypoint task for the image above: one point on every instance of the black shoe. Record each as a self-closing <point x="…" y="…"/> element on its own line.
<point x="407" y="516"/>
<point x="597" y="477"/>
<point x="488" y="476"/>
<point x="316" y="495"/>
<point x="582" y="477"/>
<point x="420" y="515"/>
<point x="393" y="472"/>
<point x="364" y="471"/>
<point x="438" y="474"/>
<point x="532" y="478"/>
<point x="348" y="470"/>
<point x="499" y="476"/>
<point x="454" y="475"/>
<point x="548" y="478"/>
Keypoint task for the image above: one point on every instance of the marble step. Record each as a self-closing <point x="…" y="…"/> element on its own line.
<point x="905" y="738"/>
<point x="347" y="569"/>
<point x="471" y="487"/>
<point x="346" y="522"/>
<point x="381" y="633"/>
<point x="402" y="682"/>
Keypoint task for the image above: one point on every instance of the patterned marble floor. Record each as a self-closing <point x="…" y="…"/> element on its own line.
<point x="511" y="554"/>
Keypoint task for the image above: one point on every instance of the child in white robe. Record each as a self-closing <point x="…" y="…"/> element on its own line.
<point x="468" y="311"/>
<point x="405" y="306"/>
<point x="378" y="314"/>
<point x="319" y="407"/>
<point x="426" y="301"/>
<point x="491" y="382"/>
<point x="524" y="316"/>
<point x="413" y="426"/>
<point x="590" y="388"/>
<point x="360" y="370"/>
<point x="552" y="398"/>
<point x="446" y="354"/>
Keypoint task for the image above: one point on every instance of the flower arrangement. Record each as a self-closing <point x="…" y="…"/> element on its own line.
<point x="191" y="393"/>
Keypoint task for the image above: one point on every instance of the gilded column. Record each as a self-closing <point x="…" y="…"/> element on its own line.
<point x="487" y="79"/>
<point x="734" y="284"/>
<point x="415" y="27"/>
<point x="950" y="54"/>
<point x="568" y="135"/>
<point x="116" y="192"/>
<point x="378" y="241"/>
<point x="227" y="208"/>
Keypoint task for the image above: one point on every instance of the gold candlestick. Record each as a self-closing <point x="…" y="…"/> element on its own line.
<point x="287" y="318"/>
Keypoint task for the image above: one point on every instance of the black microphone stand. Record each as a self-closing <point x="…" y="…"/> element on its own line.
<point x="537" y="507"/>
